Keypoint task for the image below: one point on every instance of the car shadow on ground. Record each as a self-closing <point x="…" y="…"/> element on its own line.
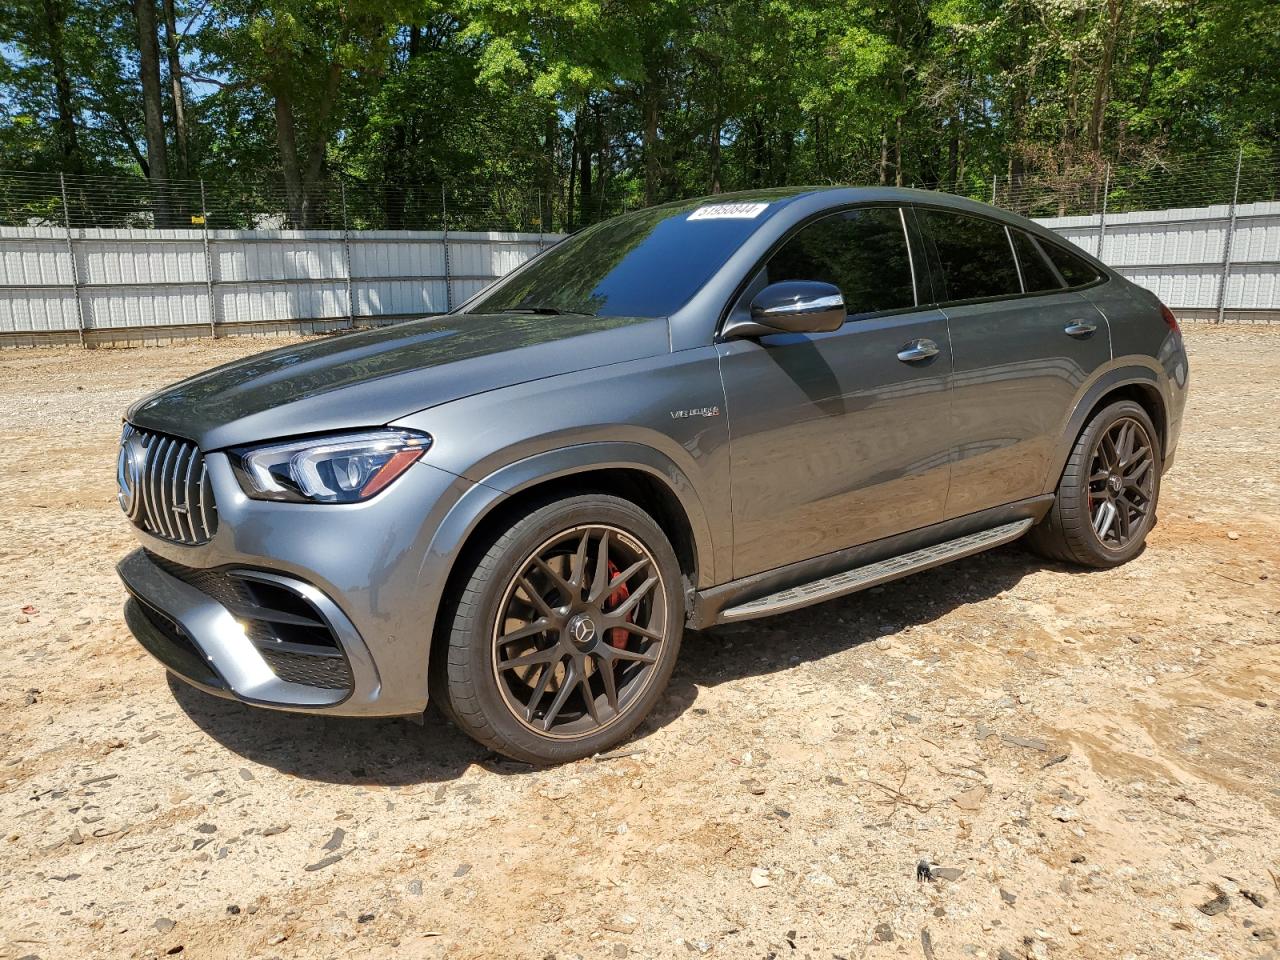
<point x="400" y="752"/>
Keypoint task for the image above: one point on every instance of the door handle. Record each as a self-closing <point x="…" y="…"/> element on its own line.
<point x="1079" y="329"/>
<point x="918" y="350"/>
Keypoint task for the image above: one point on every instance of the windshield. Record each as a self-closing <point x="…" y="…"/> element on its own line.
<point x="643" y="264"/>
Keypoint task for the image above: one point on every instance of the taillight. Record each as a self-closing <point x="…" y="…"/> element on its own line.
<point x="1169" y="318"/>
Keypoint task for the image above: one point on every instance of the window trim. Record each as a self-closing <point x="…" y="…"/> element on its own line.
<point x="935" y="262"/>
<point x="1064" y="246"/>
<point x="1017" y="260"/>
<point x="1044" y="257"/>
<point x="907" y="234"/>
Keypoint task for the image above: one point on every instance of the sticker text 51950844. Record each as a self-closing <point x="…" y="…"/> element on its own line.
<point x="729" y="211"/>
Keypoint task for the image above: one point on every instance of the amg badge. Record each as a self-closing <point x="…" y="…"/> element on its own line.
<point x="695" y="412"/>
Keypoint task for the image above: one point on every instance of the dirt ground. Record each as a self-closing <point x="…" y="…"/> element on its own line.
<point x="1092" y="759"/>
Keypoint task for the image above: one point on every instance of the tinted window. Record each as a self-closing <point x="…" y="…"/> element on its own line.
<point x="974" y="255"/>
<point x="863" y="252"/>
<point x="1075" y="270"/>
<point x="1037" y="275"/>
<point x="643" y="264"/>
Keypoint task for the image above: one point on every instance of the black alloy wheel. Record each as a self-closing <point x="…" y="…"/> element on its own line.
<point x="1121" y="482"/>
<point x="579" y="631"/>
<point x="564" y="631"/>
<point x="1105" y="502"/>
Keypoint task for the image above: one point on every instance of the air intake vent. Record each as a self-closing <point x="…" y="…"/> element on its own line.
<point x="164" y="487"/>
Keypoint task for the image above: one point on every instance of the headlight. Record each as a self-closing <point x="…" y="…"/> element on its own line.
<point x="339" y="469"/>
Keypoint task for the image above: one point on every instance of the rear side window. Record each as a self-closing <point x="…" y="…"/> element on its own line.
<point x="863" y="252"/>
<point x="1037" y="275"/>
<point x="1076" y="270"/>
<point x="974" y="254"/>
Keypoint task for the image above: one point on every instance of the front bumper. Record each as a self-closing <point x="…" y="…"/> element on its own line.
<point x="202" y="640"/>
<point x="321" y="608"/>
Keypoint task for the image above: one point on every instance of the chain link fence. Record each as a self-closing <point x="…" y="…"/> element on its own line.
<point x="1192" y="180"/>
<point x="86" y="202"/>
<point x="268" y="203"/>
<point x="107" y="259"/>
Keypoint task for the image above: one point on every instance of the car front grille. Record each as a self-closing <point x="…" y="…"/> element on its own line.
<point x="165" y="488"/>
<point x="291" y="634"/>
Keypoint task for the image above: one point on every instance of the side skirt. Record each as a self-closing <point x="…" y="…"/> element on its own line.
<point x="848" y="571"/>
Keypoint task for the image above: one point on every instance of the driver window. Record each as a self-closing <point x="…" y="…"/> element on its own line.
<point x="863" y="252"/>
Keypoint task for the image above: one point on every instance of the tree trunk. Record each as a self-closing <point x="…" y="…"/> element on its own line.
<point x="713" y="149"/>
<point x="1102" y="83"/>
<point x="1018" y="96"/>
<point x="175" y="89"/>
<point x="953" y="151"/>
<point x="550" y="140"/>
<point x="782" y="173"/>
<point x="759" y="151"/>
<point x="573" y="169"/>
<point x="589" y="144"/>
<point x="651" y="168"/>
<point x="152" y="108"/>
<point x="884" y="157"/>
<point x="395" y="165"/>
<point x="897" y="152"/>
<point x="67" y="133"/>
<point x="287" y="143"/>
<point x="125" y="133"/>
<point x="310" y="171"/>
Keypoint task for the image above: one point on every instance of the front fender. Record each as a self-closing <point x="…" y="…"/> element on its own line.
<point x="604" y="455"/>
<point x="484" y="496"/>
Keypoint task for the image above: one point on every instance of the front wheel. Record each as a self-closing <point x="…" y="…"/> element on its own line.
<point x="566" y="631"/>
<point x="1106" y="499"/>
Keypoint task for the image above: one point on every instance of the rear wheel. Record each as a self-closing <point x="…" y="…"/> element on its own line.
<point x="566" y="632"/>
<point x="1106" y="499"/>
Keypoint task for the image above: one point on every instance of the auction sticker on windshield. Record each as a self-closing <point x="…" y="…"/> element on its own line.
<point x="729" y="211"/>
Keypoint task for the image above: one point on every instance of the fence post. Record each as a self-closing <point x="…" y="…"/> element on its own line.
<point x="71" y="254"/>
<point x="994" y="178"/>
<point x="346" y="252"/>
<point x="1102" y="220"/>
<point x="208" y="263"/>
<point x="444" y="223"/>
<point x="1229" y="239"/>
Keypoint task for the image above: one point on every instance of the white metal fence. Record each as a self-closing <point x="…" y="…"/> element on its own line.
<point x="1206" y="263"/>
<point x="123" y="285"/>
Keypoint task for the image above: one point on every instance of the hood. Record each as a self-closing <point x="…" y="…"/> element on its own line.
<point x="371" y="378"/>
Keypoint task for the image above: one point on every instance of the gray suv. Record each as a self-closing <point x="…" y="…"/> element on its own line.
<point x="690" y="415"/>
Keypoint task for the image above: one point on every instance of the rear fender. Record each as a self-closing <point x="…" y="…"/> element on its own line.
<point x="1132" y="371"/>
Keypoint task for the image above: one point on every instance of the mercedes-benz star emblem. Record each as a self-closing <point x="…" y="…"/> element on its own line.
<point x="129" y="466"/>
<point x="582" y="629"/>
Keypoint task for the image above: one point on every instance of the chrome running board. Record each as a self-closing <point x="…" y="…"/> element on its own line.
<point x="860" y="578"/>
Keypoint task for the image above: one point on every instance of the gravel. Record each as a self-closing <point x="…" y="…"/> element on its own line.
<point x="107" y="771"/>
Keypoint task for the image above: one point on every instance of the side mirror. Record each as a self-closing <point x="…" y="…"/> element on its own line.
<point x="792" y="306"/>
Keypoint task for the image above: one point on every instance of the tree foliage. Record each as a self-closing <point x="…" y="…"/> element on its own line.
<point x="598" y="103"/>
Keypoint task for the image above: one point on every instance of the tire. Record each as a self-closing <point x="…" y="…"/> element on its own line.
<point x="503" y="677"/>
<point x="1069" y="532"/>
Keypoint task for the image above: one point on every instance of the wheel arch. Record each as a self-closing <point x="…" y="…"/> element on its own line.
<point x="632" y="471"/>
<point x="1139" y="384"/>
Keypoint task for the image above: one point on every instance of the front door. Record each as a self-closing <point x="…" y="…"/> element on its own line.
<point x="841" y="438"/>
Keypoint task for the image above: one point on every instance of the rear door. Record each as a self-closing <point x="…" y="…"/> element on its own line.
<point x="838" y="438"/>
<point x="1023" y="343"/>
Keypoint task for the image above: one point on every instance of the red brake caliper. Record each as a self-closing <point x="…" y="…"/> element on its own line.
<point x="618" y="635"/>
